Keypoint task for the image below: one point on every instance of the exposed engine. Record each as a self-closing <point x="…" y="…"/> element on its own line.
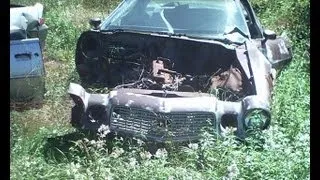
<point x="163" y="64"/>
<point x="226" y="85"/>
<point x="160" y="77"/>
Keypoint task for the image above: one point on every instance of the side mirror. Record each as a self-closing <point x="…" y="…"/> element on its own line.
<point x="95" y="22"/>
<point x="268" y="34"/>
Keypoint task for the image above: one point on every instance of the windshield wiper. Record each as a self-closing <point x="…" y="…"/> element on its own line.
<point x="236" y="29"/>
<point x="169" y="34"/>
<point x="223" y="40"/>
<point x="120" y="30"/>
<point x="114" y="30"/>
<point x="148" y="32"/>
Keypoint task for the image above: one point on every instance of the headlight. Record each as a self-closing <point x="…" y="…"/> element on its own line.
<point x="257" y="119"/>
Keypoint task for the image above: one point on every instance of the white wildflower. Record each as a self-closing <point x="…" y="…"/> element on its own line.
<point x="140" y="142"/>
<point x="92" y="142"/>
<point x="132" y="162"/>
<point x="233" y="172"/>
<point x="103" y="131"/>
<point x="161" y="153"/>
<point x="193" y="146"/>
<point x="117" y="152"/>
<point x="100" y="144"/>
<point x="74" y="168"/>
<point x="229" y="130"/>
<point x="145" y="155"/>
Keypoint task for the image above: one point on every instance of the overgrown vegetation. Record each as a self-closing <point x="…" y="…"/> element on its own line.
<point x="44" y="146"/>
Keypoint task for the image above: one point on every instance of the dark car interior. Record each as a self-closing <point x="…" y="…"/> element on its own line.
<point x="184" y="17"/>
<point x="180" y="17"/>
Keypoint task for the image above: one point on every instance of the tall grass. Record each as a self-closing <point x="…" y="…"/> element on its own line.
<point x="44" y="146"/>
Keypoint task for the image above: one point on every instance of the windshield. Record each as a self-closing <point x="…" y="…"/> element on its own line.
<point x="200" y="18"/>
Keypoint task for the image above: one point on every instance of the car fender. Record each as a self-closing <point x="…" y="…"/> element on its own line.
<point x="278" y="51"/>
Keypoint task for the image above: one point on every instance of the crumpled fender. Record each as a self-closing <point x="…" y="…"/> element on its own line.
<point x="84" y="99"/>
<point x="79" y="95"/>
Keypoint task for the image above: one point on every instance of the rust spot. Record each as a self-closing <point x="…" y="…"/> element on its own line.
<point x="270" y="81"/>
<point x="230" y="79"/>
<point x="161" y="73"/>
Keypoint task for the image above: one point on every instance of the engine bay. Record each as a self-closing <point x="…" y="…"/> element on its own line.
<point x="141" y="61"/>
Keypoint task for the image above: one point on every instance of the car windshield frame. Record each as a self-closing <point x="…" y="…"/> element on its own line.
<point x="172" y="18"/>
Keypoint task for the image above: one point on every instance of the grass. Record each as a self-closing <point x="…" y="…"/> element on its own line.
<point x="44" y="146"/>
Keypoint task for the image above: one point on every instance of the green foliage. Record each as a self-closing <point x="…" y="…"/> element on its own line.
<point x="78" y="156"/>
<point x="43" y="146"/>
<point x="291" y="105"/>
<point x="290" y="16"/>
<point x="62" y="37"/>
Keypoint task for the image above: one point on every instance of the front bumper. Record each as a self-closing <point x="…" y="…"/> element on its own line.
<point x="157" y="115"/>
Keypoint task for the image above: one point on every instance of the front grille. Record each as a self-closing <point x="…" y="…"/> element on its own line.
<point x="175" y="126"/>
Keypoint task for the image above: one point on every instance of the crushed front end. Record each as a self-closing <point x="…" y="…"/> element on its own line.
<point x="170" y="88"/>
<point x="163" y="116"/>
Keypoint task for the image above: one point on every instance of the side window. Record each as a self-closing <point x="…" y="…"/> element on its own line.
<point x="253" y="28"/>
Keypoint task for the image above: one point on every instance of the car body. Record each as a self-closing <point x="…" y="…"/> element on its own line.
<point x="176" y="67"/>
<point x="27" y="39"/>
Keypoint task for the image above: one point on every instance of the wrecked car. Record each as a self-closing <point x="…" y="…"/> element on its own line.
<point x="27" y="39"/>
<point x="173" y="68"/>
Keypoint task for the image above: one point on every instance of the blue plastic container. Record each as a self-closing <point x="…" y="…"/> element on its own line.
<point x="26" y="70"/>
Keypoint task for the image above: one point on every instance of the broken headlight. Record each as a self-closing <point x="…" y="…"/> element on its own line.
<point x="257" y="119"/>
